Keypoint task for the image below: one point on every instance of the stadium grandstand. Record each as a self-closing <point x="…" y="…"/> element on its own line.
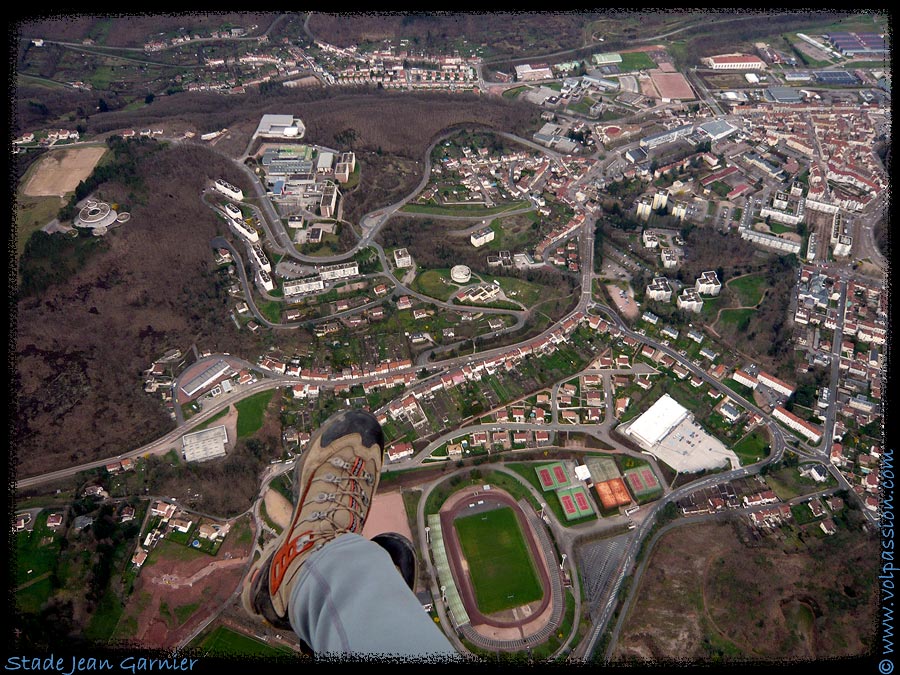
<point x="458" y="614"/>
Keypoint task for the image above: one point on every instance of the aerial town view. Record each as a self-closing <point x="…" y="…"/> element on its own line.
<point x="614" y="284"/>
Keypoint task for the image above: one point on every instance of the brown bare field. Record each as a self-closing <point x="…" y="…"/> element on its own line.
<point x="278" y="507"/>
<point x="176" y="577"/>
<point x="60" y="171"/>
<point x="387" y="514"/>
<point x="672" y="85"/>
<point x="630" y="309"/>
<point x="708" y="593"/>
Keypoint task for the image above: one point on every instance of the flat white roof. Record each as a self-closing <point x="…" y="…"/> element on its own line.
<point x="658" y="420"/>
<point x="203" y="445"/>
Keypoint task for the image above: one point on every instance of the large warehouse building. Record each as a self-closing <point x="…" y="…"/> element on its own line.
<point x="280" y="126"/>
<point x="668" y="431"/>
<point x="659" y="419"/>
<point x="202" y="446"/>
<point x="210" y="376"/>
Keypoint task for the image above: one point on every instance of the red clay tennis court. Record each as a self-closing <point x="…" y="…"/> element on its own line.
<point x="582" y="501"/>
<point x="637" y="485"/>
<point x="575" y="502"/>
<point x="560" y="474"/>
<point x="552" y="476"/>
<point x="546" y="479"/>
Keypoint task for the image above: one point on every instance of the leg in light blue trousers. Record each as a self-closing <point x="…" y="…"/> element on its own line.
<point x="350" y="600"/>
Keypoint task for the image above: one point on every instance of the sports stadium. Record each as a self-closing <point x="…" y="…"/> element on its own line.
<point x="496" y="569"/>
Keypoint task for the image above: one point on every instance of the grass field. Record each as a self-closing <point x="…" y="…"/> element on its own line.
<point x="435" y="283"/>
<point x="32" y="213"/>
<point x="515" y="91"/>
<point x="271" y="310"/>
<point x="500" y="564"/>
<point x="751" y="448"/>
<point x="778" y="228"/>
<point x="636" y="61"/>
<point x="749" y="289"/>
<point x="250" y="413"/>
<point x="522" y="291"/>
<point x="739" y="319"/>
<point x="225" y="642"/>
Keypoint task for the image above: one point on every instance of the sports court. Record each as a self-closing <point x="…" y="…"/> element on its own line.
<point x="671" y="85"/>
<point x="499" y="563"/>
<point x="575" y="502"/>
<point x="59" y="171"/>
<point x="552" y="476"/>
<point x="602" y="468"/>
<point x="612" y="493"/>
<point x="642" y="481"/>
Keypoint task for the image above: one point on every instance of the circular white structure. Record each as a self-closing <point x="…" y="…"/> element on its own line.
<point x="95" y="215"/>
<point x="460" y="274"/>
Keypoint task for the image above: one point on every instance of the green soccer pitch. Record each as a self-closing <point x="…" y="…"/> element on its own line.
<point x="500" y="563"/>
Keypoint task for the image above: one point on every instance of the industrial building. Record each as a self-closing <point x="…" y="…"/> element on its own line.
<point x="717" y="129"/>
<point x="657" y="421"/>
<point x="280" y="126"/>
<point x="734" y="62"/>
<point x="668" y="136"/>
<point x="525" y="73"/>
<point x="202" y="446"/>
<point x="859" y="44"/>
<point x="667" y="431"/>
<point x="207" y="378"/>
<point x="783" y="95"/>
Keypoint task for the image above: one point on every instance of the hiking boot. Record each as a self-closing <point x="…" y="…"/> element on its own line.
<point x="334" y="483"/>
<point x="402" y="554"/>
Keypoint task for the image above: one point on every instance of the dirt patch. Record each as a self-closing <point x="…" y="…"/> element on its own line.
<point x="672" y="85"/>
<point x="647" y="87"/>
<point x="626" y="306"/>
<point x="278" y="507"/>
<point x="387" y="514"/>
<point x="60" y="171"/>
<point x="178" y="590"/>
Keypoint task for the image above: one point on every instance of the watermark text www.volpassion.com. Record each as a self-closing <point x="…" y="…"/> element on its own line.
<point x="886" y="577"/>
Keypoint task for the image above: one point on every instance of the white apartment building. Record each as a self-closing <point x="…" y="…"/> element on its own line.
<point x="229" y="190"/>
<point x="339" y="271"/>
<point x="690" y="301"/>
<point x="708" y="283"/>
<point x="812" y="432"/>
